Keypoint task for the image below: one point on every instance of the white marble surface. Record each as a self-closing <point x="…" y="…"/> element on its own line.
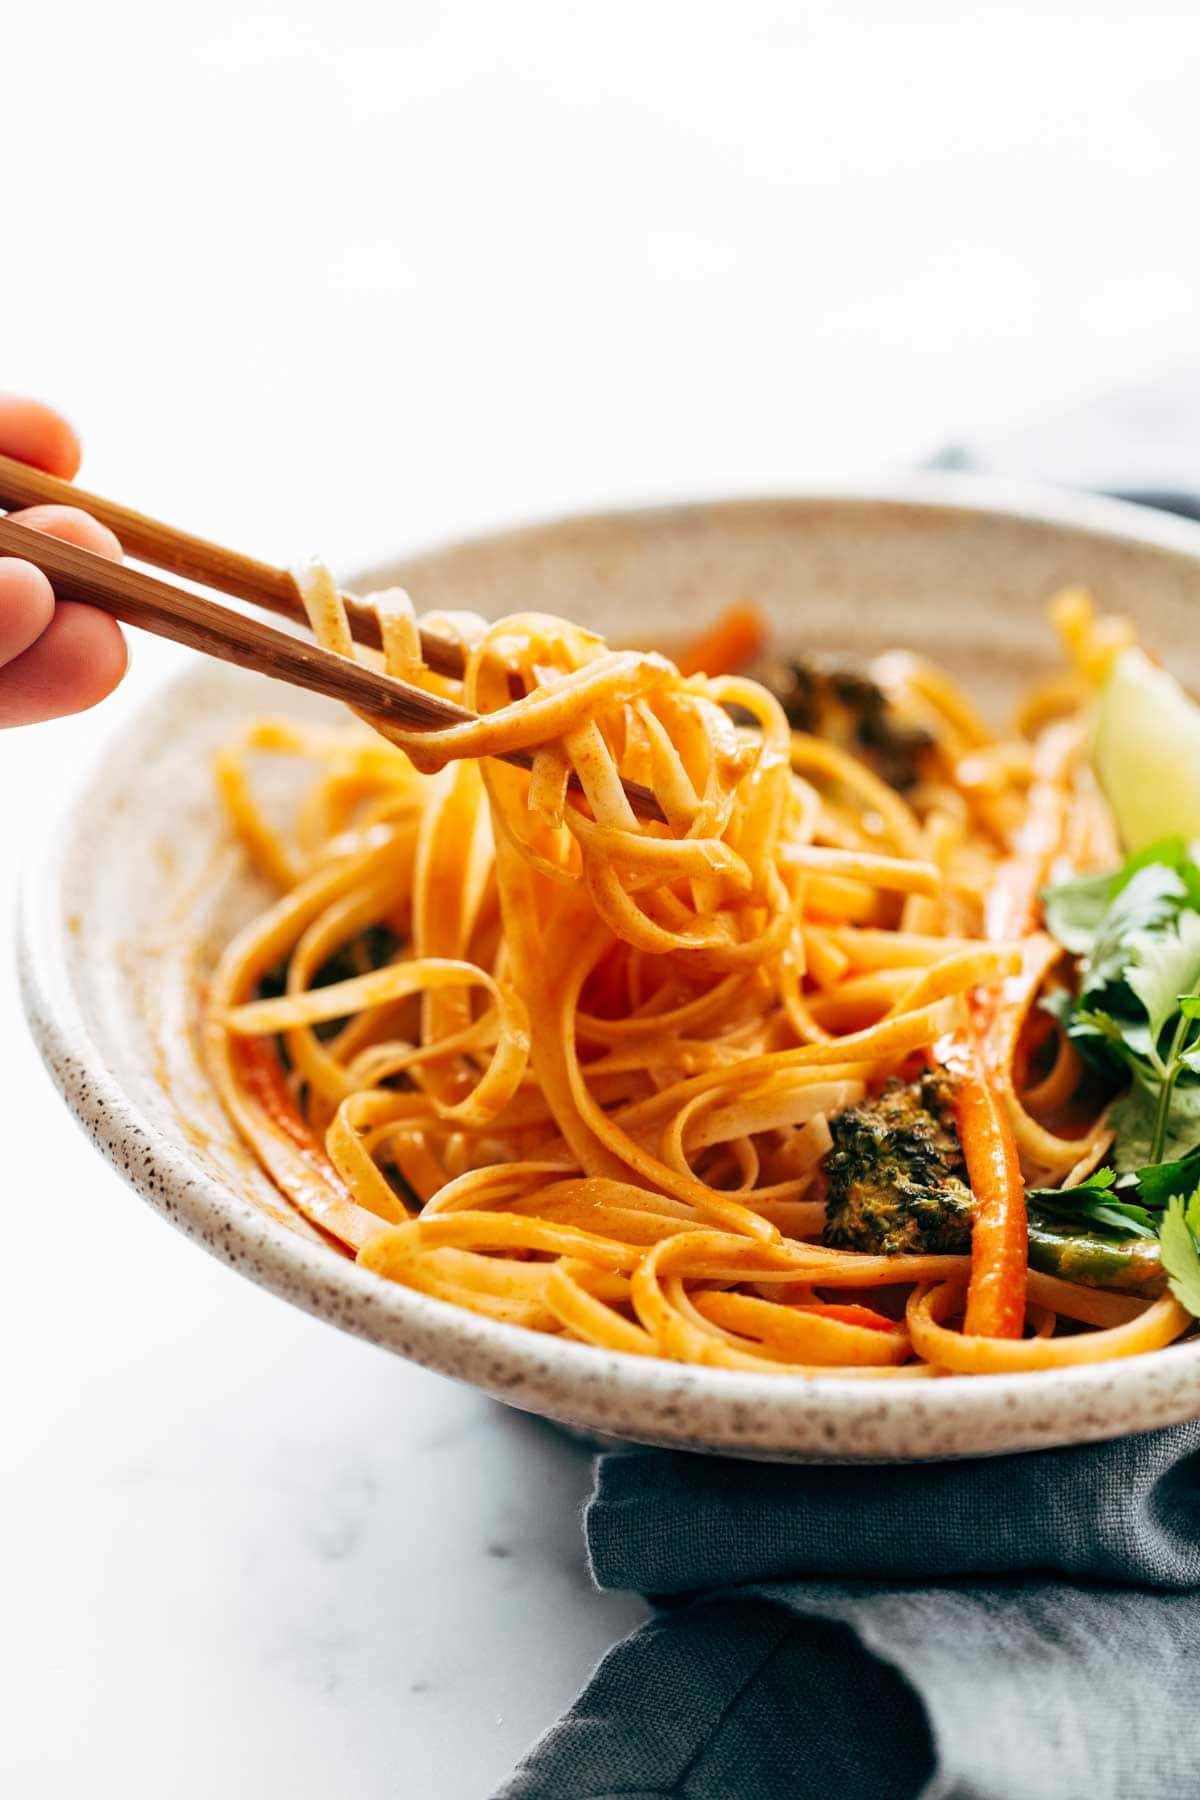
<point x="361" y="277"/>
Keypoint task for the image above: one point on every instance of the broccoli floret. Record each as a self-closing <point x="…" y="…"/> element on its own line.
<point x="837" y="701"/>
<point x="894" y="1177"/>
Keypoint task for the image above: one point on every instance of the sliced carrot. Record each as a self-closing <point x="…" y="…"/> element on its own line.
<point x="1011" y="908"/>
<point x="1000" y="1234"/>
<point x="731" y="642"/>
<point x="1013" y="903"/>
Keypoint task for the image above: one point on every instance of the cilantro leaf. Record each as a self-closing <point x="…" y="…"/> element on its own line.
<point x="1137" y="1011"/>
<point x="1109" y="1021"/>
<point x="1119" y="1218"/>
<point x="1074" y="910"/>
<point x="1147" y="902"/>
<point x="1159" y="1182"/>
<point x="1096" y="1187"/>
<point x="1163" y="965"/>
<point x="1148" y="1187"/>
<point x="1124" y="1216"/>
<point x="1129" y="1043"/>
<point x="1174" y="853"/>
<point x="1133" y="1119"/>
<point x="1177" y="1246"/>
<point x="1095" y="1200"/>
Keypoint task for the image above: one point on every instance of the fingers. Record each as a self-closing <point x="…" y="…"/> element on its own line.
<point x="54" y="659"/>
<point x="26" y="607"/>
<point x="34" y="434"/>
<point x="78" y="659"/>
<point x="72" y="526"/>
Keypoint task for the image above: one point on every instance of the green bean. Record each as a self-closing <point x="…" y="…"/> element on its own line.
<point x="1128" y="1265"/>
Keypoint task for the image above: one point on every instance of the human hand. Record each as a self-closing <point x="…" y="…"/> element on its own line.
<point x="56" y="657"/>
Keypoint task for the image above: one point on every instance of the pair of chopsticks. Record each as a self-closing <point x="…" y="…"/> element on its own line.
<point x="137" y="598"/>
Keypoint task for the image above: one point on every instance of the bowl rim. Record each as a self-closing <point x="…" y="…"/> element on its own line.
<point x="647" y="1399"/>
<point x="1122" y="520"/>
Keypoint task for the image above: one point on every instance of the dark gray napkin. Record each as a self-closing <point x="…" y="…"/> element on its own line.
<point x="1020" y="1628"/>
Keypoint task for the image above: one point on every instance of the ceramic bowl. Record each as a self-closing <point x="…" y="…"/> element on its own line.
<point x="141" y="885"/>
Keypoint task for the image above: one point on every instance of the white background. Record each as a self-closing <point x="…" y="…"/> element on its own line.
<point x="356" y="278"/>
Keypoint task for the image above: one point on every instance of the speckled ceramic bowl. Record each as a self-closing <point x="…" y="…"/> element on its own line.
<point x="141" y="886"/>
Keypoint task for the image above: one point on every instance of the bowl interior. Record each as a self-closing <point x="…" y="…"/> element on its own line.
<point x="143" y="887"/>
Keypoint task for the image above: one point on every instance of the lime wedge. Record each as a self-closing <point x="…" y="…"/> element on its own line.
<point x="1146" y="752"/>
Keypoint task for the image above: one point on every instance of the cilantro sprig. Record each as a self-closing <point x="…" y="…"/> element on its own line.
<point x="1136" y="1014"/>
<point x="1179" y="1247"/>
<point x="1122" y="1203"/>
<point x="1099" y="1201"/>
<point x="1138" y="1005"/>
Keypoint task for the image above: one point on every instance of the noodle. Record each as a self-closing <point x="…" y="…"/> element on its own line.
<point x="583" y="1083"/>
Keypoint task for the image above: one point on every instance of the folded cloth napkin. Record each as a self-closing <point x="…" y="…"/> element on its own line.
<point x="1020" y="1628"/>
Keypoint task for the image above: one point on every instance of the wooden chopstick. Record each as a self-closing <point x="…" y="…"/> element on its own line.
<point x="244" y="577"/>
<point x="172" y="612"/>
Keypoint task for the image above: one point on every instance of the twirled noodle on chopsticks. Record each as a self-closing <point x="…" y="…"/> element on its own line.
<point x="520" y="1050"/>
